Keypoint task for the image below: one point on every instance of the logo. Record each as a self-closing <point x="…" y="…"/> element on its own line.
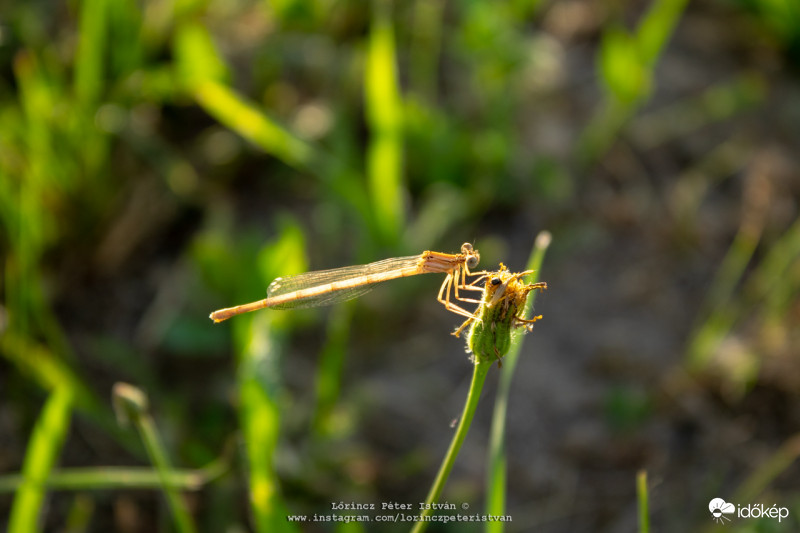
<point x="719" y="508"/>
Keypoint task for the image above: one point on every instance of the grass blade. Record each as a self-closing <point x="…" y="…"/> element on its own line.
<point x="244" y="118"/>
<point x="497" y="466"/>
<point x="43" y="449"/>
<point x="384" y="116"/>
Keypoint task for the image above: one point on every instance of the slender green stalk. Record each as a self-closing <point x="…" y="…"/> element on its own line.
<point x="111" y="478"/>
<point x="132" y="406"/>
<point x="642" y="501"/>
<point x="496" y="477"/>
<point x="43" y="448"/>
<point x="478" y="377"/>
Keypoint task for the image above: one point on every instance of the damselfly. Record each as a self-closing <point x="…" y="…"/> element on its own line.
<point x="326" y="287"/>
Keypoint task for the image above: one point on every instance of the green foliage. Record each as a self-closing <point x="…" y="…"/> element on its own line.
<point x="624" y="68"/>
<point x="627" y="61"/>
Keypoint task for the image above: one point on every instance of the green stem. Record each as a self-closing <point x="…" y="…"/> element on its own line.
<point x="478" y="378"/>
<point x="496" y="476"/>
<point x="157" y="453"/>
<point x="132" y="405"/>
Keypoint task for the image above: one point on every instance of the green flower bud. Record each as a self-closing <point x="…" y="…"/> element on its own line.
<point x="500" y="314"/>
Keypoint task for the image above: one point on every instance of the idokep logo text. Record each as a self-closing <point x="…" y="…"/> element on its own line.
<point x="721" y="511"/>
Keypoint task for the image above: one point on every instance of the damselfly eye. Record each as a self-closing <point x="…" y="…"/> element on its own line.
<point x="466" y="247"/>
<point x="472" y="261"/>
<point x="496" y="281"/>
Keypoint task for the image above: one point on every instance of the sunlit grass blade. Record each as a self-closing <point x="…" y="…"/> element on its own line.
<point x="132" y="407"/>
<point x="497" y="464"/>
<point x="42" y="451"/>
<point x="244" y="118"/>
<point x="384" y="116"/>
<point x="642" y="501"/>
<point x="198" y="60"/>
<point x="203" y="73"/>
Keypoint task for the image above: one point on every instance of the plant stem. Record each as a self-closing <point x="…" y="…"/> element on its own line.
<point x="496" y="476"/>
<point x="478" y="377"/>
<point x="157" y="453"/>
<point x="132" y="406"/>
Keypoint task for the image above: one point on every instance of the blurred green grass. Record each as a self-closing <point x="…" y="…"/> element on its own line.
<point x="259" y="140"/>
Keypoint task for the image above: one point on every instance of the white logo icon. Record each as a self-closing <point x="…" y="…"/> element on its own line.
<point x="719" y="508"/>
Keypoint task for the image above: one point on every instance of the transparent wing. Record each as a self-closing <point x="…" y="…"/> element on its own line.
<point x="289" y="284"/>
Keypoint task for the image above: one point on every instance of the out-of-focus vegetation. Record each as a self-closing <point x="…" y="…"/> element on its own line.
<point x="161" y="159"/>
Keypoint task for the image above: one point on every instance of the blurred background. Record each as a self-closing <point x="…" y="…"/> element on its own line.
<point x="161" y="159"/>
